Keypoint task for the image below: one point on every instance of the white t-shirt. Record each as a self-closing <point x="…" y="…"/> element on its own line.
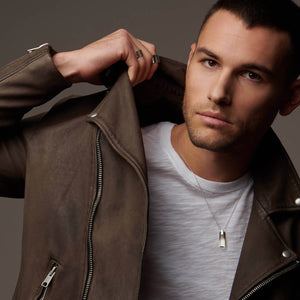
<point x="182" y="258"/>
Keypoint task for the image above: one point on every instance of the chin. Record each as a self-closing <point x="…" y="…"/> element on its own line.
<point x="215" y="142"/>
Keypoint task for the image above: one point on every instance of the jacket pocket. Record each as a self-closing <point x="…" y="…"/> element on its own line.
<point x="47" y="282"/>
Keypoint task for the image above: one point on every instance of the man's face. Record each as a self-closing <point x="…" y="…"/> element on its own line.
<point x="235" y="83"/>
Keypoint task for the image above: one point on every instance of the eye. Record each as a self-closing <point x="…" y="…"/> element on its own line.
<point x="210" y="63"/>
<point x="252" y="76"/>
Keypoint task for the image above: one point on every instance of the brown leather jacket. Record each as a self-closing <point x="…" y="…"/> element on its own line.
<point x="86" y="198"/>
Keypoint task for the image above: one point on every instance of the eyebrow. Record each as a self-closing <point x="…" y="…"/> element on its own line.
<point x="207" y="52"/>
<point x="252" y="66"/>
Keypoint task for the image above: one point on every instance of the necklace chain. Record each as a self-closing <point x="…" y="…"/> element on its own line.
<point x="222" y="230"/>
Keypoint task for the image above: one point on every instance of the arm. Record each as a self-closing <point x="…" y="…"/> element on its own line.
<point x="27" y="82"/>
<point x="85" y="65"/>
<point x="38" y="76"/>
<point x="24" y="83"/>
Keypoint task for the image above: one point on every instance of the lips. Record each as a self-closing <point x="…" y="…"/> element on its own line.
<point x="214" y="118"/>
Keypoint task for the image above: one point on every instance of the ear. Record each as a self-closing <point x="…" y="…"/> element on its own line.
<point x="293" y="99"/>
<point x="193" y="47"/>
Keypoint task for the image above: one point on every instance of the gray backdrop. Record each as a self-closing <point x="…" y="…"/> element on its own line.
<point x="171" y="24"/>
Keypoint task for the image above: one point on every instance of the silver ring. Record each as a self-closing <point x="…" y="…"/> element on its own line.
<point x="138" y="54"/>
<point x="155" y="59"/>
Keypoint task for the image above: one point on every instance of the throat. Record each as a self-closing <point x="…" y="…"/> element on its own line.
<point x="210" y="165"/>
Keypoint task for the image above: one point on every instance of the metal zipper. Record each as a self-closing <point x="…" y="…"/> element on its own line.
<point x="137" y="169"/>
<point x="46" y="282"/>
<point x="92" y="215"/>
<point x="270" y="279"/>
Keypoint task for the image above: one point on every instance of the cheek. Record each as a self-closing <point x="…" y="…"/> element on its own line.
<point x="195" y="87"/>
<point x="256" y="109"/>
<point x="196" y="76"/>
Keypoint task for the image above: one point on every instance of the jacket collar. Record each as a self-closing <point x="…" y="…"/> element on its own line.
<point x="276" y="188"/>
<point x="275" y="177"/>
<point x="112" y="114"/>
<point x="120" y="107"/>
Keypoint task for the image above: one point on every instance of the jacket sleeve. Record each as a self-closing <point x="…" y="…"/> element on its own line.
<point x="27" y="82"/>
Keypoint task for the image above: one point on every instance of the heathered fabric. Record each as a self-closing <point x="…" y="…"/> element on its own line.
<point x="182" y="258"/>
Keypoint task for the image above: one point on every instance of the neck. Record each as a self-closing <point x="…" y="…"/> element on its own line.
<point x="210" y="165"/>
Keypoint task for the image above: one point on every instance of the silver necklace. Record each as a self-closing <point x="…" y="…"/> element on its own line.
<point x="221" y="229"/>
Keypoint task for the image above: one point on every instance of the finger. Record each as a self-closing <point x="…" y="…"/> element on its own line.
<point x="140" y="67"/>
<point x="145" y="61"/>
<point x="133" y="67"/>
<point x="143" y="57"/>
<point x="128" y="50"/>
<point x="154" y="59"/>
<point x="146" y="66"/>
<point x="138" y="53"/>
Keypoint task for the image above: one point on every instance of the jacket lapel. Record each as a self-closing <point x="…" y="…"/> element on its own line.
<point x="262" y="253"/>
<point x="117" y="109"/>
<point x="276" y="187"/>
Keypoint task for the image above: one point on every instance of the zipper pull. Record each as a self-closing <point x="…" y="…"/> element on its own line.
<point x="49" y="277"/>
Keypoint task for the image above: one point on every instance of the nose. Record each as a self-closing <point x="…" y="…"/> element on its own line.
<point x="220" y="88"/>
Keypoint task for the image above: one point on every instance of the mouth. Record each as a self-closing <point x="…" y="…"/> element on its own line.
<point x="214" y="118"/>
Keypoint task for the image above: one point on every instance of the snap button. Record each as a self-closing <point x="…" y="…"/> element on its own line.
<point x="297" y="201"/>
<point x="286" y="254"/>
<point x="93" y="115"/>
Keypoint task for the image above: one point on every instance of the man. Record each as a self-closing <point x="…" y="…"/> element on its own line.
<point x="224" y="197"/>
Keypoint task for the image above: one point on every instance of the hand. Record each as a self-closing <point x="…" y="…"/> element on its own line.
<point x="85" y="65"/>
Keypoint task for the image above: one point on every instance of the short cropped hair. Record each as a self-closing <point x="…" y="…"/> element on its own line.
<point x="281" y="15"/>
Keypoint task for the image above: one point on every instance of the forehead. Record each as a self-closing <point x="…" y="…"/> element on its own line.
<point x="226" y="35"/>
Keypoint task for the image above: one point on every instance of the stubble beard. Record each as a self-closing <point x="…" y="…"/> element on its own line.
<point x="211" y="137"/>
